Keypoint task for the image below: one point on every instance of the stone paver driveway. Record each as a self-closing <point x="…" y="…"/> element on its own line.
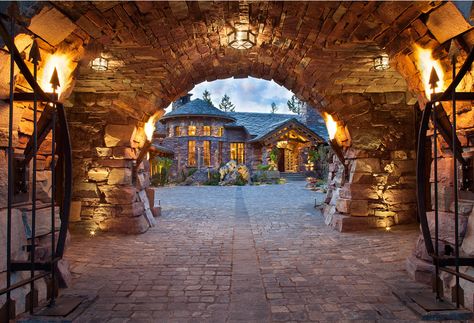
<point x="248" y="254"/>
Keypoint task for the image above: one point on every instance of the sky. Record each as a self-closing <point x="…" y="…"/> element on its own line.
<point x="248" y="94"/>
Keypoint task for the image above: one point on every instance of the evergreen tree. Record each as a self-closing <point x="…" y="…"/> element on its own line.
<point x="274" y="107"/>
<point x="295" y="105"/>
<point x="206" y="96"/>
<point x="226" y="105"/>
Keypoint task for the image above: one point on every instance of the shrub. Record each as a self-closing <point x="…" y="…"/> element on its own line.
<point x="263" y="167"/>
<point x="214" y="179"/>
<point x="191" y="171"/>
<point x="161" y="169"/>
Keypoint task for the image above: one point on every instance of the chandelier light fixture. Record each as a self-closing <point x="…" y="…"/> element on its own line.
<point x="242" y="39"/>
<point x="381" y="63"/>
<point x="99" y="64"/>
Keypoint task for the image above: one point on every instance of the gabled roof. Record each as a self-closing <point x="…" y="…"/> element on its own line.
<point x="197" y="108"/>
<point x="259" y="125"/>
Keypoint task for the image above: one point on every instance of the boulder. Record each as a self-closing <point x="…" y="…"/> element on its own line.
<point x="199" y="177"/>
<point x="233" y="174"/>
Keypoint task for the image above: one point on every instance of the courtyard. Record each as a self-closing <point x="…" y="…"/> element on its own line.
<point x="248" y="254"/>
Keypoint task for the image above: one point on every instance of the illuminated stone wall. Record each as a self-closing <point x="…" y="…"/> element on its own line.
<point x="109" y="194"/>
<point x="378" y="188"/>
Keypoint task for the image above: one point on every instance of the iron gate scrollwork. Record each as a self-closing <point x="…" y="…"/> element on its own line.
<point x="52" y="121"/>
<point x="451" y="259"/>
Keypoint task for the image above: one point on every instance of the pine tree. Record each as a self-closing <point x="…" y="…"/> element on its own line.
<point x="295" y="105"/>
<point x="274" y="107"/>
<point x="206" y="96"/>
<point x="226" y="105"/>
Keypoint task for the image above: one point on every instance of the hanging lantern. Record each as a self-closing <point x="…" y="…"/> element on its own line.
<point x="242" y="39"/>
<point x="381" y="63"/>
<point x="99" y="64"/>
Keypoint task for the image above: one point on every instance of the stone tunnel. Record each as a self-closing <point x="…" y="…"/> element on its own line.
<point x="322" y="51"/>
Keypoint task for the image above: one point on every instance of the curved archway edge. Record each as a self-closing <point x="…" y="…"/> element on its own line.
<point x="323" y="52"/>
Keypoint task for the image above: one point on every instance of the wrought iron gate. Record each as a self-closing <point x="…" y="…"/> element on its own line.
<point x="21" y="193"/>
<point x="449" y="260"/>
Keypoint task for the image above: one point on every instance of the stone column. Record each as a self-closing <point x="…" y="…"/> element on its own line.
<point x="378" y="189"/>
<point x="107" y="135"/>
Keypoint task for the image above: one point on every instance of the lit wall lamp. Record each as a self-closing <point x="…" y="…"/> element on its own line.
<point x="242" y="39"/>
<point x="332" y="130"/>
<point x="99" y="64"/>
<point x="381" y="63"/>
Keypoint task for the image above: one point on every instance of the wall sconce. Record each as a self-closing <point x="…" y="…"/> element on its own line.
<point x="381" y="63"/>
<point x="99" y="64"/>
<point x="242" y="39"/>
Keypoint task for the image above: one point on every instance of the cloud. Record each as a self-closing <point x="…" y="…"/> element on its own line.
<point x="248" y="94"/>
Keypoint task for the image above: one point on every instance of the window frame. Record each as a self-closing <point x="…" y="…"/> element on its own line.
<point x="177" y="131"/>
<point x="239" y="151"/>
<point x="192" y="160"/>
<point x="206" y="153"/>
<point x="206" y="133"/>
<point x="192" y="133"/>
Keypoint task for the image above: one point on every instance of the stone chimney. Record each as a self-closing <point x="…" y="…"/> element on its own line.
<point x="181" y="101"/>
<point x="311" y="117"/>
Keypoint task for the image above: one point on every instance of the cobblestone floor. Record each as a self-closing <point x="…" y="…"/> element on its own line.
<point x="242" y="254"/>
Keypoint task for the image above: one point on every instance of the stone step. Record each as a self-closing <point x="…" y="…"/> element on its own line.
<point x="293" y="176"/>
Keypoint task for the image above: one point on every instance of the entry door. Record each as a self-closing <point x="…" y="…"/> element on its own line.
<point x="288" y="161"/>
<point x="281" y="159"/>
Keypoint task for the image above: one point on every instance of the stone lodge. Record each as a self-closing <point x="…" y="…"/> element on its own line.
<point x="202" y="136"/>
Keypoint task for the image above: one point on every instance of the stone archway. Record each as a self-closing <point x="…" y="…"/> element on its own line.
<point x="321" y="51"/>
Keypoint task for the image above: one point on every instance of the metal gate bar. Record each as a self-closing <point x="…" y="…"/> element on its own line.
<point x="52" y="120"/>
<point x="442" y="126"/>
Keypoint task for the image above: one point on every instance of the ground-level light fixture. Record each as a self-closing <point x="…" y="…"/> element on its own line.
<point x="381" y="63"/>
<point x="99" y="64"/>
<point x="242" y="39"/>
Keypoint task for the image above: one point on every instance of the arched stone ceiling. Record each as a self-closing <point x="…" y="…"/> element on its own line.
<point x="312" y="48"/>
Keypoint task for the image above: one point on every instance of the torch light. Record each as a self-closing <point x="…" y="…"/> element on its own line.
<point x="332" y="130"/>
<point x="149" y="128"/>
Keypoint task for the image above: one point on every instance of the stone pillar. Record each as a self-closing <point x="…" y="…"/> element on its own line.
<point x="378" y="189"/>
<point x="106" y="140"/>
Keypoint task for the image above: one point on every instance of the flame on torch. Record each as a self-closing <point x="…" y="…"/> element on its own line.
<point x="64" y="66"/>
<point x="331" y="125"/>
<point x="150" y="128"/>
<point x="425" y="64"/>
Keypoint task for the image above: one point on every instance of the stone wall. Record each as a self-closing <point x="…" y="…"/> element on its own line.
<point x="376" y="133"/>
<point x="106" y="142"/>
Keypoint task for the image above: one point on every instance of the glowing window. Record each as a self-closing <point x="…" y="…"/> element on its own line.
<point x="220" y="132"/>
<point x="191" y="153"/>
<point x="177" y="131"/>
<point x="237" y="152"/>
<point x="206" y="131"/>
<point x="207" y="153"/>
<point x="191" y="130"/>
